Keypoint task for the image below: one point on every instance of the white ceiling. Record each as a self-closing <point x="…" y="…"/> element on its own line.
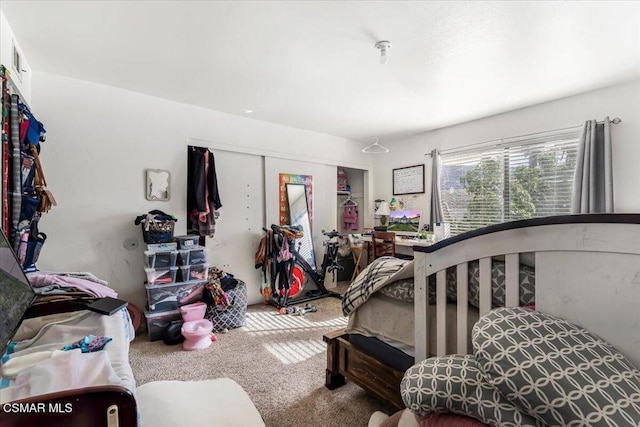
<point x="313" y="65"/>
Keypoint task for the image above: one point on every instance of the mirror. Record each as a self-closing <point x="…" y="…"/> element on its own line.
<point x="299" y="215"/>
<point x="158" y="185"/>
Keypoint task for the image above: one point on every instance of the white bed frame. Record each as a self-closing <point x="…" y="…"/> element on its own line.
<point x="587" y="270"/>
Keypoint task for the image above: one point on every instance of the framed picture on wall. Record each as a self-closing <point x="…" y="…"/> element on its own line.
<point x="408" y="180"/>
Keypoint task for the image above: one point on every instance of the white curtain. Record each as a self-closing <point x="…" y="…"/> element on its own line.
<point x="436" y="205"/>
<point x="593" y="181"/>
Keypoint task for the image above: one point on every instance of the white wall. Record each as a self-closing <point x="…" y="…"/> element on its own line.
<point x="239" y="228"/>
<point x="618" y="101"/>
<point x="325" y="180"/>
<point x="101" y="139"/>
<point x="21" y="80"/>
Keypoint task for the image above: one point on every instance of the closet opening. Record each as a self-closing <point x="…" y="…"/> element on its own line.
<point x="352" y="199"/>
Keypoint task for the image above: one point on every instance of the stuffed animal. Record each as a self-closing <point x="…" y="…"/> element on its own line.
<point x="404" y="418"/>
<point x="407" y="419"/>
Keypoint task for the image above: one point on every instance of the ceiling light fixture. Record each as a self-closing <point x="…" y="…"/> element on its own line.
<point x="375" y="148"/>
<point x="383" y="46"/>
<point x="248" y="111"/>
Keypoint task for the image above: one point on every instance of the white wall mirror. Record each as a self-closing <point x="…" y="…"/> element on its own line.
<point x="158" y="185"/>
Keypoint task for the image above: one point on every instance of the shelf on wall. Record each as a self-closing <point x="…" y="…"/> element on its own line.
<point x="353" y="195"/>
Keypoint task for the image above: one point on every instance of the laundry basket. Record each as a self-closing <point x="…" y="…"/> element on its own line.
<point x="233" y="316"/>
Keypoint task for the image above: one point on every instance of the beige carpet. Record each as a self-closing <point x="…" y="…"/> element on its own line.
<point x="279" y="360"/>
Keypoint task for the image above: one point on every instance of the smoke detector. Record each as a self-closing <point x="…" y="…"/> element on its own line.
<point x="383" y="46"/>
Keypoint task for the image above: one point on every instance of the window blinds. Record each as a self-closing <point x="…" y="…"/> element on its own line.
<point x="508" y="180"/>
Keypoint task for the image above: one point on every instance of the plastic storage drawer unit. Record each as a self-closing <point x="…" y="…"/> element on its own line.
<point x="165" y="259"/>
<point x="157" y="323"/>
<point x="172" y="296"/>
<point x="187" y="242"/>
<point x="161" y="276"/>
<point x="193" y="256"/>
<point x="194" y="272"/>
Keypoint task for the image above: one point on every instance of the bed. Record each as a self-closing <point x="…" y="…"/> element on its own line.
<point x="587" y="270"/>
<point x="52" y="394"/>
<point x="66" y="365"/>
<point x="70" y="383"/>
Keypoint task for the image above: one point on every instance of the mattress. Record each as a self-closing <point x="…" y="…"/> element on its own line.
<point x="383" y="317"/>
<point x="392" y="322"/>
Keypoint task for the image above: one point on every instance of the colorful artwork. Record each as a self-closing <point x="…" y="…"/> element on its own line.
<point x="289" y="178"/>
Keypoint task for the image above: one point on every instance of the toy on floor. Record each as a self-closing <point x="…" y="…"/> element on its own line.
<point x="196" y="330"/>
<point x="298" y="311"/>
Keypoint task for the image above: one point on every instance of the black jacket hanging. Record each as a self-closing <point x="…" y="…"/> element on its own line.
<point x="199" y="182"/>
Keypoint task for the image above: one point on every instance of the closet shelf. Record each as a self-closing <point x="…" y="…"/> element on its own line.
<point x="353" y="195"/>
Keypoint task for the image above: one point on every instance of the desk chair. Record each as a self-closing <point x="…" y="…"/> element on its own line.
<point x="384" y="244"/>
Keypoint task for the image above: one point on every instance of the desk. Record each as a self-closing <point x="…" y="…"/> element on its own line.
<point x="403" y="245"/>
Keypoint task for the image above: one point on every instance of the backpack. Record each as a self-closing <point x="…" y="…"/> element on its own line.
<point x="263" y="259"/>
<point x="265" y="249"/>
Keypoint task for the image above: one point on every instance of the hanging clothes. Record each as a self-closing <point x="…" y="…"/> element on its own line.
<point x="203" y="197"/>
<point x="15" y="168"/>
<point x="350" y="217"/>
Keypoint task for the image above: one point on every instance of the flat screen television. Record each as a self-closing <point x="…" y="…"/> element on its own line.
<point x="405" y="222"/>
<point x="16" y="294"/>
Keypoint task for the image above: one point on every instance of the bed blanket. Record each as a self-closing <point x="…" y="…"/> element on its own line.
<point x="380" y="273"/>
<point x="55" y="335"/>
<point x="70" y="370"/>
<point x="403" y="290"/>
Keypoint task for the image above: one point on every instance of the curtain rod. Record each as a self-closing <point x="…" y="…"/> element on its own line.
<point x="615" y="121"/>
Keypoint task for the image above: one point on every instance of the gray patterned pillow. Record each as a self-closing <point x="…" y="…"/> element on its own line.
<point x="456" y="384"/>
<point x="555" y="371"/>
<point x="402" y="290"/>
<point x="527" y="284"/>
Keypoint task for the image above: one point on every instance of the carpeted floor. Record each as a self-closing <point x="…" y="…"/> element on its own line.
<point x="279" y="360"/>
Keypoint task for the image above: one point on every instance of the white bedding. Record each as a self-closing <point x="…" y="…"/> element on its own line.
<point x="55" y="335"/>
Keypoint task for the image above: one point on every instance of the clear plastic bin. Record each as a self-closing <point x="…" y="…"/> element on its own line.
<point x="198" y="256"/>
<point x="195" y="272"/>
<point x="158" y="322"/>
<point x="161" y="276"/>
<point x="165" y="259"/>
<point x="172" y="296"/>
<point x="187" y="242"/>
<point x="193" y="256"/>
<point x="162" y="247"/>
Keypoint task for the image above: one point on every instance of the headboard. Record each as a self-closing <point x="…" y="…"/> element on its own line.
<point x="587" y="270"/>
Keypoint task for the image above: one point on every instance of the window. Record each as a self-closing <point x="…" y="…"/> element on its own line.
<point x="507" y="181"/>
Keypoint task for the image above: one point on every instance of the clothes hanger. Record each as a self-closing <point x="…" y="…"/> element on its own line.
<point x="349" y="201"/>
<point x="200" y="149"/>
